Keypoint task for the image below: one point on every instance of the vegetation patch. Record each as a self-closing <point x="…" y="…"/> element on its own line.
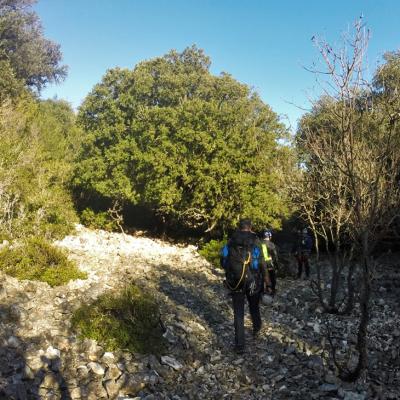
<point x="127" y="320"/>
<point x="211" y="251"/>
<point x="98" y="220"/>
<point x="37" y="260"/>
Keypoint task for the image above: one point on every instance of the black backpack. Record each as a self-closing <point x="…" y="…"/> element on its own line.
<point x="241" y="264"/>
<point x="237" y="264"/>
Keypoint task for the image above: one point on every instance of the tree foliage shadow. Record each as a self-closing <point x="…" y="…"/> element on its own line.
<point x="17" y="380"/>
<point x="198" y="298"/>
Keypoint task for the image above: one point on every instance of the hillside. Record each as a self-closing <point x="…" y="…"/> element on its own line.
<point x="42" y="358"/>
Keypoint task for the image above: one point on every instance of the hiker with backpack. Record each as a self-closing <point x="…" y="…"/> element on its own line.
<point x="270" y="254"/>
<point x="302" y="249"/>
<point x="246" y="276"/>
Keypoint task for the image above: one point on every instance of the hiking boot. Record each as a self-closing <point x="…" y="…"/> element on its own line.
<point x="256" y="333"/>
<point x="238" y="349"/>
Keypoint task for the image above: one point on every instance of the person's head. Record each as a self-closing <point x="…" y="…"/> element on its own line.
<point x="305" y="231"/>
<point x="267" y="234"/>
<point x="245" y="224"/>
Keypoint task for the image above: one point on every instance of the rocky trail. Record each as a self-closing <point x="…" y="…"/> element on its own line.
<point x="42" y="358"/>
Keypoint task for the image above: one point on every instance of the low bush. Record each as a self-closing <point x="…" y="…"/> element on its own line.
<point x="98" y="220"/>
<point x="128" y="320"/>
<point x="211" y="251"/>
<point x="36" y="259"/>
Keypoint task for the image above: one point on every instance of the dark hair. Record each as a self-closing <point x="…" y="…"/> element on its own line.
<point x="245" y="223"/>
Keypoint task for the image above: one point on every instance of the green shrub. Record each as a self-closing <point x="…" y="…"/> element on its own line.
<point x="211" y="251"/>
<point x="127" y="320"/>
<point x="37" y="151"/>
<point x="37" y="260"/>
<point x="98" y="220"/>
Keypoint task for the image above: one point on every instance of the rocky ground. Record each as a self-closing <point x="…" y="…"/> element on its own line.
<point x="42" y="358"/>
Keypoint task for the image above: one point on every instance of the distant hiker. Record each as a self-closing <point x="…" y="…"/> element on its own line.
<point x="270" y="254"/>
<point x="302" y="249"/>
<point x="246" y="274"/>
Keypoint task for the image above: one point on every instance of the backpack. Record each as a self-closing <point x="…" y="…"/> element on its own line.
<point x="306" y="243"/>
<point x="241" y="264"/>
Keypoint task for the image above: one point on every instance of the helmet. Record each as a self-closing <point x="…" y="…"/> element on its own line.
<point x="267" y="234"/>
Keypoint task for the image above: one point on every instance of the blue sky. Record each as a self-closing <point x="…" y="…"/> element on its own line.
<point x="264" y="44"/>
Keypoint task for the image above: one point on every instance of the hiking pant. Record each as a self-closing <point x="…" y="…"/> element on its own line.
<point x="238" y="312"/>
<point x="272" y="277"/>
<point x="302" y="259"/>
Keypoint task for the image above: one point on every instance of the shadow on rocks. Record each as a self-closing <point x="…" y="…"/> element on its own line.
<point x="24" y="372"/>
<point x="200" y="294"/>
<point x="270" y="367"/>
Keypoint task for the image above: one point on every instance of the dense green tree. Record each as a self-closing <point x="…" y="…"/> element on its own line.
<point x="33" y="59"/>
<point x="198" y="149"/>
<point x="10" y="86"/>
<point x="38" y="143"/>
<point x="386" y="86"/>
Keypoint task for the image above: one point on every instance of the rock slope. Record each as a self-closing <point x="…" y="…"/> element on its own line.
<point x="42" y="358"/>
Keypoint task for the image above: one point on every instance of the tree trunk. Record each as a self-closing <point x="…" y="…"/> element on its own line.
<point x="350" y="291"/>
<point x="362" y="348"/>
<point x="319" y="288"/>
<point x="335" y="281"/>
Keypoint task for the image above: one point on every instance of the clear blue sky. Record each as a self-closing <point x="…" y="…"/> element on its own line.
<point x="262" y="43"/>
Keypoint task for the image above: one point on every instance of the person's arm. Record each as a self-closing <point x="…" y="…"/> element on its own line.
<point x="275" y="252"/>
<point x="309" y="243"/>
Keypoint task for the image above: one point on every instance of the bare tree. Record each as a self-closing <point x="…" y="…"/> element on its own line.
<point x="115" y="213"/>
<point x="350" y="181"/>
<point x="322" y="200"/>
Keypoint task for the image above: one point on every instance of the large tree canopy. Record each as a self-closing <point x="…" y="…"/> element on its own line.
<point x="198" y="149"/>
<point x="34" y="59"/>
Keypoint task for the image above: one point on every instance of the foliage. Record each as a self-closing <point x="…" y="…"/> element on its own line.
<point x="200" y="150"/>
<point x="98" y="220"/>
<point x="211" y="251"/>
<point x="10" y="86"/>
<point x="34" y="60"/>
<point x="36" y="259"/>
<point x="39" y="140"/>
<point x="127" y="320"/>
<point x="387" y="79"/>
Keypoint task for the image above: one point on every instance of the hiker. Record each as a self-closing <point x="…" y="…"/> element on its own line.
<point x="270" y="254"/>
<point x="246" y="275"/>
<point x="302" y="250"/>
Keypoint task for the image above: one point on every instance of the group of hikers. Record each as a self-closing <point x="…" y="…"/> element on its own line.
<point x="250" y="262"/>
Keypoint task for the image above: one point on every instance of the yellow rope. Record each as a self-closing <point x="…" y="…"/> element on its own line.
<point x="243" y="271"/>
